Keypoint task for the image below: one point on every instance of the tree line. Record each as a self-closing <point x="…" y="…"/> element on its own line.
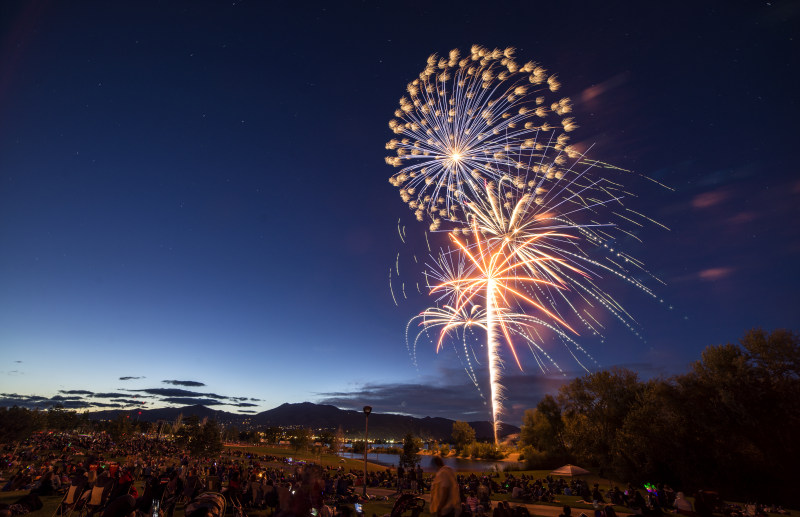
<point x="731" y="423"/>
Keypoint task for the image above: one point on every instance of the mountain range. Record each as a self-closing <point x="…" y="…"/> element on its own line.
<point x="319" y="417"/>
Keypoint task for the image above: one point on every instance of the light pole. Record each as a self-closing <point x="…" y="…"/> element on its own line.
<point x="367" y="411"/>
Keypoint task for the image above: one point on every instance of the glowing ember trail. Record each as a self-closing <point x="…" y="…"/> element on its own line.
<point x="495" y="277"/>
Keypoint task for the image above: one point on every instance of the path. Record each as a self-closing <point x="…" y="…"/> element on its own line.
<point x="542" y="510"/>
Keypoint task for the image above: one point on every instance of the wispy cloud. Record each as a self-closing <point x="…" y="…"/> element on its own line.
<point x="37" y="401"/>
<point x="177" y="392"/>
<point x="108" y="405"/>
<point x="716" y="273"/>
<point x="130" y="378"/>
<point x="711" y="199"/>
<point x="130" y="402"/>
<point x="188" y="384"/>
<point x="189" y="401"/>
<point x="111" y="395"/>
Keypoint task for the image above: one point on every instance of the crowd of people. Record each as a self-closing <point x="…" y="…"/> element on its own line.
<point x="48" y="464"/>
<point x="95" y="465"/>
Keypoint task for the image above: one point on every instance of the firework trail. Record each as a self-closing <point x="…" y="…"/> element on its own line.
<point x="484" y="154"/>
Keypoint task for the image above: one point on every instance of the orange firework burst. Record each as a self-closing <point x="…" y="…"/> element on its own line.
<point x="495" y="279"/>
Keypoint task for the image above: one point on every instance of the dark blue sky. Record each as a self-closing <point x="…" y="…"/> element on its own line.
<point x="196" y="191"/>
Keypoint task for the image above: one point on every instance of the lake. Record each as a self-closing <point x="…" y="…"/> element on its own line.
<point x="457" y="464"/>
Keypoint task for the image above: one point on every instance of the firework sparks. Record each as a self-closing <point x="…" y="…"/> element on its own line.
<point x="482" y="150"/>
<point x="495" y="277"/>
<point x="470" y="120"/>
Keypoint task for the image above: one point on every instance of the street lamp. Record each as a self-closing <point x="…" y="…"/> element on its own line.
<point x="367" y="411"/>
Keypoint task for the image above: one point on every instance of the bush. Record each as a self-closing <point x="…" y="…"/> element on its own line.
<point x="540" y="460"/>
<point x="485" y="451"/>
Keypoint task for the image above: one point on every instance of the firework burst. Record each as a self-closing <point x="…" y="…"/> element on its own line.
<point x="470" y="120"/>
<point x="484" y="154"/>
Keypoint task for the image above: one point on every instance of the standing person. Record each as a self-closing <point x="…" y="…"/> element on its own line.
<point x="400" y="475"/>
<point x="445" y="499"/>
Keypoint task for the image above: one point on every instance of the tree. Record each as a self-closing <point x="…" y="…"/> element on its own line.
<point x="201" y="440"/>
<point x="177" y="424"/>
<point x="272" y="434"/>
<point x="463" y="436"/>
<point x="60" y="419"/>
<point x="231" y="433"/>
<point x="301" y="438"/>
<point x="208" y="441"/>
<point x="594" y="407"/>
<point x="743" y="404"/>
<point x="327" y="438"/>
<point x="185" y="430"/>
<point x="543" y="428"/>
<point x="653" y="430"/>
<point x="145" y="426"/>
<point x="338" y="440"/>
<point x="17" y="424"/>
<point x="411" y="446"/>
<point x="120" y="427"/>
<point x="485" y="451"/>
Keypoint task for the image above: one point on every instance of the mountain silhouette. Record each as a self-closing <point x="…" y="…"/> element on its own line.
<point x="319" y="417"/>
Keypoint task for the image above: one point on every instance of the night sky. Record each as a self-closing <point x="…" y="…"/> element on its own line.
<point x="194" y="204"/>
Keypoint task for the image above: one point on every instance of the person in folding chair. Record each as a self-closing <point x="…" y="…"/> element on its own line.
<point x="99" y="494"/>
<point x="73" y="495"/>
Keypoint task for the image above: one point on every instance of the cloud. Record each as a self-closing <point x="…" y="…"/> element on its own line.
<point x="192" y="401"/>
<point x="593" y="91"/>
<point x="129" y="401"/>
<point x="81" y="399"/>
<point x="107" y="404"/>
<point x="177" y="392"/>
<point x="246" y="411"/>
<point x="73" y="404"/>
<point x="130" y="378"/>
<point x="109" y="395"/>
<point x="18" y="362"/>
<point x="716" y="273"/>
<point x="22" y="397"/>
<point x="70" y="397"/>
<point x="36" y="401"/>
<point x="190" y="384"/>
<point x="710" y="199"/>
